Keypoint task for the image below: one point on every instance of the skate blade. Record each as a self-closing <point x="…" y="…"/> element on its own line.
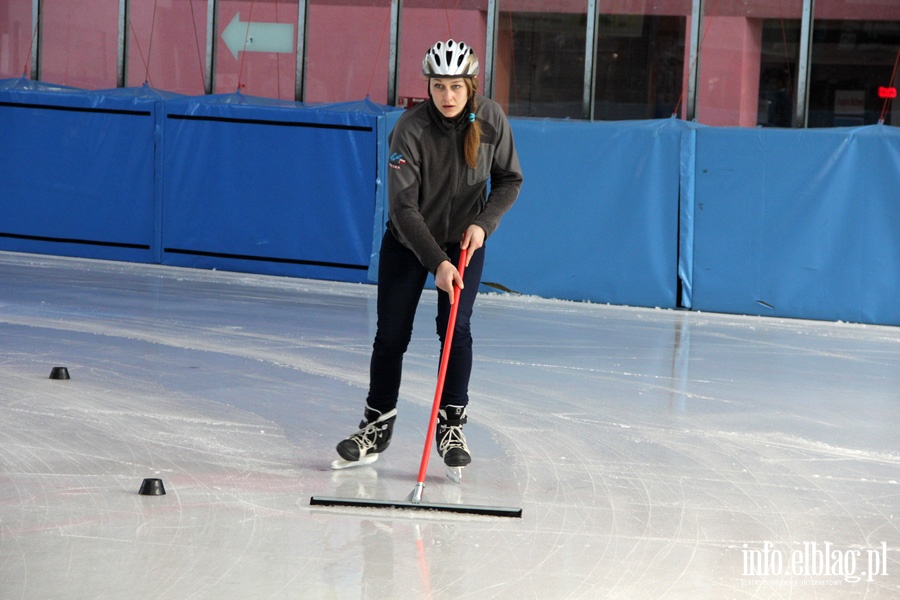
<point x="340" y="463"/>
<point x="454" y="474"/>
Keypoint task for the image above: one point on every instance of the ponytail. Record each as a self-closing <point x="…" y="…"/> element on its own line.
<point x="473" y="133"/>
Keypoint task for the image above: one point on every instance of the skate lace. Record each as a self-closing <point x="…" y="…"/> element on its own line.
<point x="366" y="437"/>
<point x="453" y="438"/>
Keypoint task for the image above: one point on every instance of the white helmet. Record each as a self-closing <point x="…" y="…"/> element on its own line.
<point x="450" y="59"/>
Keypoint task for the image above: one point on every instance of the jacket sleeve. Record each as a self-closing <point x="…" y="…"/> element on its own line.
<point x="404" y="179"/>
<point x="506" y="173"/>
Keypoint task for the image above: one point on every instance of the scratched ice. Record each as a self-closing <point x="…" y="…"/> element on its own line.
<point x="655" y="453"/>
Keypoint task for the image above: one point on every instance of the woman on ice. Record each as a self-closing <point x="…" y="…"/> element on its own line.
<point x="443" y="152"/>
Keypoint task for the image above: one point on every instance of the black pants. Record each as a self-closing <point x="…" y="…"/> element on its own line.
<point x="401" y="278"/>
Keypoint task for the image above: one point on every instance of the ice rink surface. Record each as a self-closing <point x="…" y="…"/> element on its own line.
<point x="654" y="453"/>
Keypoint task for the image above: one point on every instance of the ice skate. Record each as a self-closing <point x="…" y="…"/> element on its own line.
<point x="451" y="441"/>
<point x="364" y="446"/>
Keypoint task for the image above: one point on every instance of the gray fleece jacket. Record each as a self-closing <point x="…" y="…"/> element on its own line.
<point x="433" y="195"/>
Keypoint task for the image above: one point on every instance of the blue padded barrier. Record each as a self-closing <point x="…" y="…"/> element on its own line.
<point x="597" y="218"/>
<point x="790" y="223"/>
<point x="800" y="223"/>
<point x="271" y="186"/>
<point x="77" y="170"/>
<point x="386" y="118"/>
<point x="686" y="216"/>
<point x="379" y="223"/>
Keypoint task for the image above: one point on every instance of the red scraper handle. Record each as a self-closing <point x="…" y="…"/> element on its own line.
<point x="442" y="372"/>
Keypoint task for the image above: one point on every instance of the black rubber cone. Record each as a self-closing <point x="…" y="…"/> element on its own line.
<point x="152" y="487"/>
<point x="59" y="373"/>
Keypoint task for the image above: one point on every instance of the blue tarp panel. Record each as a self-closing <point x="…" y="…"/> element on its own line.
<point x="686" y="216"/>
<point x="77" y="170"/>
<point x="270" y="186"/>
<point x="798" y="223"/>
<point x="597" y="218"/>
<point x="379" y="222"/>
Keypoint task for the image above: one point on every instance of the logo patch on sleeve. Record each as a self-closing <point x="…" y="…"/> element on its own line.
<point x="397" y="160"/>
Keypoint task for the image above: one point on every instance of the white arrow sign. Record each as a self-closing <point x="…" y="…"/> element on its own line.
<point x="258" y="37"/>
